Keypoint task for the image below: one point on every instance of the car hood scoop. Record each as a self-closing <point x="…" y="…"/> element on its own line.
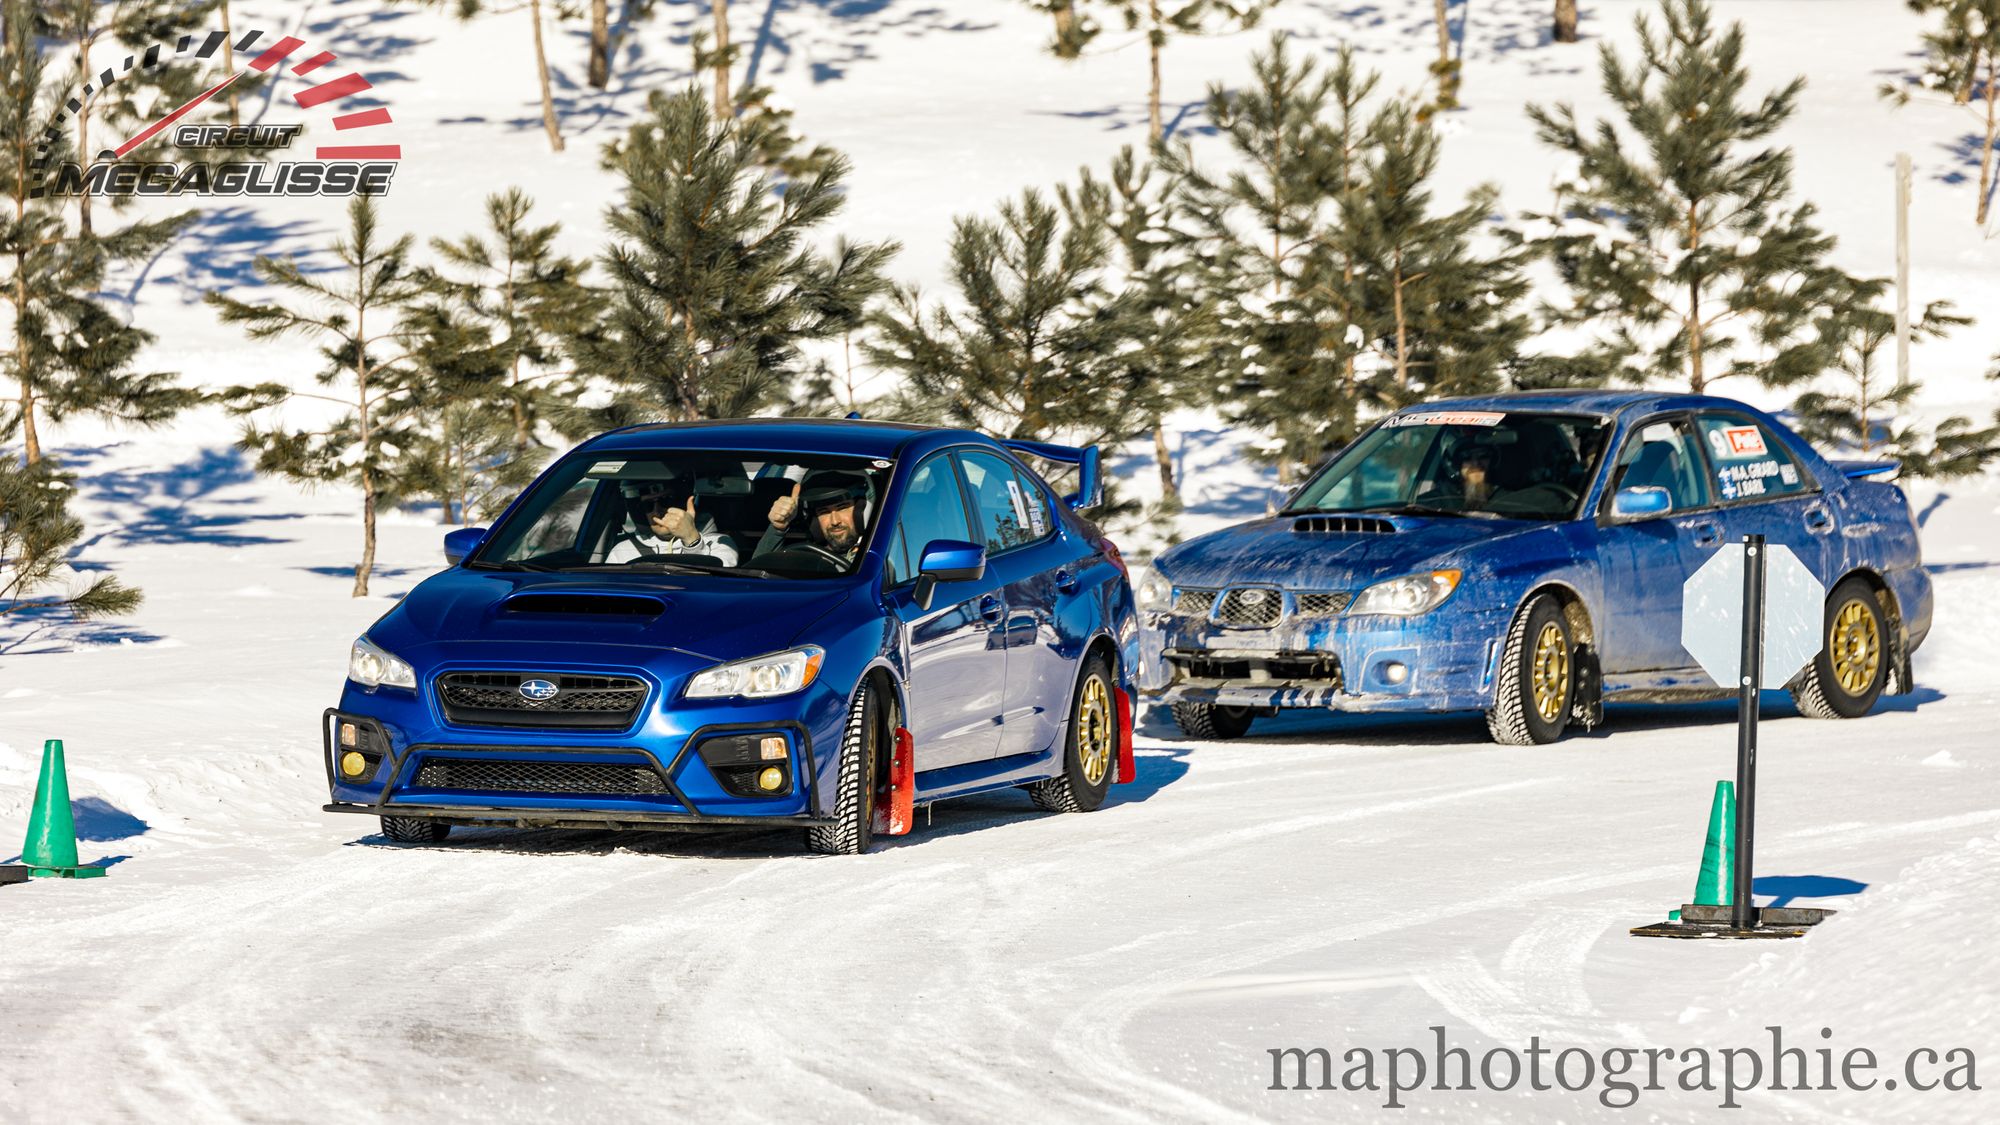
<point x="585" y="604"/>
<point x="1343" y="525"/>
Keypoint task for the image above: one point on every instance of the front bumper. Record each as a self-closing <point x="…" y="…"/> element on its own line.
<point x="654" y="775"/>
<point x="1445" y="660"/>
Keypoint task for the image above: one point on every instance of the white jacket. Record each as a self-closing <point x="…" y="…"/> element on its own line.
<point x="635" y="542"/>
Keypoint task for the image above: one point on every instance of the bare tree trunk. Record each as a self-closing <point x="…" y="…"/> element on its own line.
<point x="1986" y="153"/>
<point x="229" y="63"/>
<point x="1155" y="39"/>
<point x="1065" y="15"/>
<point x="31" y="441"/>
<point x="83" y="132"/>
<point x="1170" y="493"/>
<point x="1696" y="380"/>
<point x="600" y="43"/>
<point x="725" y="106"/>
<point x="1402" y="328"/>
<point x="1565" y="21"/>
<point x="367" y="564"/>
<point x="542" y="70"/>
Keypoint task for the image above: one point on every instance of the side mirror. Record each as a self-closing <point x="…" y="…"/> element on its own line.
<point x="462" y="542"/>
<point x="947" y="560"/>
<point x="1638" y="503"/>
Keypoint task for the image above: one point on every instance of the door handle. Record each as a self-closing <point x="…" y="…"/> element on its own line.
<point x="1818" y="519"/>
<point x="1066" y="582"/>
<point x="1706" y="534"/>
<point x="989" y="608"/>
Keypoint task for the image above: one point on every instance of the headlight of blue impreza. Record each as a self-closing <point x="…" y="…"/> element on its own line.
<point x="760" y="677"/>
<point x="370" y="666"/>
<point x="1407" y="597"/>
<point x="1154" y="593"/>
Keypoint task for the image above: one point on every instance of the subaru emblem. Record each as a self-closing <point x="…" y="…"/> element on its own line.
<point x="538" y="690"/>
<point x="1250" y="597"/>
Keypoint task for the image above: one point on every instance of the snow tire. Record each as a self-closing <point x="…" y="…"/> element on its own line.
<point x="1212" y="721"/>
<point x="1818" y="691"/>
<point x="1514" y="719"/>
<point x="1071" y="790"/>
<point x="415" y="829"/>
<point x="853" y="827"/>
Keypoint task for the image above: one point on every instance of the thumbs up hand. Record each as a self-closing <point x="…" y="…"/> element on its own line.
<point x="677" y="523"/>
<point x="785" y="507"/>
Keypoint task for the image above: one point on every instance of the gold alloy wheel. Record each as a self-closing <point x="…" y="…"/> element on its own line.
<point x="1094" y="733"/>
<point x="1855" y="644"/>
<point x="1551" y="673"/>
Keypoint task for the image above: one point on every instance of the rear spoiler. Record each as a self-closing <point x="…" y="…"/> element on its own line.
<point x="1090" y="482"/>
<point x="1861" y="470"/>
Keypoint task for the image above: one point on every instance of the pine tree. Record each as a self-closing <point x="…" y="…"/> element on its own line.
<point x="1858" y="406"/>
<point x="1962" y="56"/>
<point x="1445" y="70"/>
<point x="1161" y="20"/>
<point x="716" y="53"/>
<point x="457" y="443"/>
<point x="467" y="10"/>
<point x="1677" y="235"/>
<point x="1439" y="311"/>
<point x="65" y="353"/>
<point x="1045" y="347"/>
<point x="529" y="297"/>
<point x="1143" y="210"/>
<point x="1268" y="248"/>
<point x="36" y="532"/>
<point x="714" y="282"/>
<point x="357" y="316"/>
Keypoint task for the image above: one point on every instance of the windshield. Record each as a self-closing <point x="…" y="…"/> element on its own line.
<point x="1488" y="464"/>
<point x="694" y="511"/>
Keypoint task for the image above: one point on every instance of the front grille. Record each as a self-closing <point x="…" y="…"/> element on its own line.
<point x="1254" y="607"/>
<point x="1195" y="603"/>
<point x="1321" y="605"/>
<point x="1277" y="668"/>
<point x="580" y="702"/>
<point x="583" y="779"/>
<point x="1342" y="525"/>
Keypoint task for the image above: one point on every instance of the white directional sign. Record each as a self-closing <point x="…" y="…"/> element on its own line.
<point x="1712" y="615"/>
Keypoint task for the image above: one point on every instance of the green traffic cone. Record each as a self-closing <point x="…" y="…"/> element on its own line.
<point x="1716" y="885"/>
<point x="50" y="850"/>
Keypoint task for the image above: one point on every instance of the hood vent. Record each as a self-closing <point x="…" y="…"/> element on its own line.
<point x="1342" y="525"/>
<point x="590" y="605"/>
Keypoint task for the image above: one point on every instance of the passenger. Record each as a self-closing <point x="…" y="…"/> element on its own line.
<point x="1471" y="487"/>
<point x="837" y="506"/>
<point x="658" y="523"/>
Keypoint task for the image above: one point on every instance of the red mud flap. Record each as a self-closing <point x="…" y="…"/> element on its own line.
<point x="1128" y="767"/>
<point x="895" y="802"/>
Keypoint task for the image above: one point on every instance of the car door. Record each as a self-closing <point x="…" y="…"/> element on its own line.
<point x="1024" y="544"/>
<point x="1643" y="562"/>
<point x="1761" y="489"/>
<point x="957" y="667"/>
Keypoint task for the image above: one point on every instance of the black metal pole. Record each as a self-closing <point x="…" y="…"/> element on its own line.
<point x="1741" y="914"/>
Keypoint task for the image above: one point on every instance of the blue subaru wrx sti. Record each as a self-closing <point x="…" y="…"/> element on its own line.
<point x="764" y="623"/>
<point x="1523" y="555"/>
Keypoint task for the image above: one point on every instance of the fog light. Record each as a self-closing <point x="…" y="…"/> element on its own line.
<point x="772" y="778"/>
<point x="353" y="764"/>
<point x="1395" y="671"/>
<point x="350" y="735"/>
<point x="772" y="749"/>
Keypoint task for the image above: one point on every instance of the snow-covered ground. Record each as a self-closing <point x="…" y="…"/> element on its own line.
<point x="1325" y="882"/>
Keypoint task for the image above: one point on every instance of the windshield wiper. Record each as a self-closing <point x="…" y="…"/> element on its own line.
<point x="515" y="565"/>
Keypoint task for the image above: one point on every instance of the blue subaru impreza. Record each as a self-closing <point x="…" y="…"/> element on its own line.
<point x="762" y="623"/>
<point x="1523" y="555"/>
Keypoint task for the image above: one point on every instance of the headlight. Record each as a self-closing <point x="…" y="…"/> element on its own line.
<point x="1154" y="593"/>
<point x="759" y="677"/>
<point x="370" y="666"/>
<point x="1407" y="597"/>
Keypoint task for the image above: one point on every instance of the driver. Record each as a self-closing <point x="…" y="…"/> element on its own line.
<point x="1471" y="487"/>
<point x="836" y="506"/>
<point x="661" y="520"/>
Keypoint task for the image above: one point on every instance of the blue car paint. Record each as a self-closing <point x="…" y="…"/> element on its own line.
<point x="1626" y="577"/>
<point x="454" y="621"/>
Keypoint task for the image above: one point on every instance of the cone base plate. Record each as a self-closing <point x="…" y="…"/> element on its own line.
<point x="67" y="872"/>
<point x="1688" y="930"/>
<point x="10" y="874"/>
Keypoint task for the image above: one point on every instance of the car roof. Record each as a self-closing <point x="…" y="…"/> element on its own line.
<point x="840" y="436"/>
<point x="1611" y="403"/>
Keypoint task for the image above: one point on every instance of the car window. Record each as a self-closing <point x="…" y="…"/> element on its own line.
<point x="998" y="503"/>
<point x="932" y="509"/>
<point x="1748" y="460"/>
<point x="1662" y="454"/>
